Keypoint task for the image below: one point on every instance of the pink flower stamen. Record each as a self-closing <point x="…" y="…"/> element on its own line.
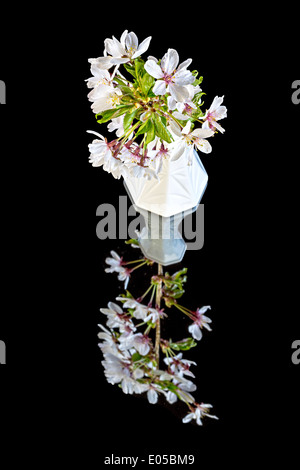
<point x="168" y="78"/>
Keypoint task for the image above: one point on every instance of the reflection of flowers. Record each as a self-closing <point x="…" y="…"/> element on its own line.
<point x="200" y="321"/>
<point x="130" y="355"/>
<point x="199" y="412"/>
<point x="116" y="266"/>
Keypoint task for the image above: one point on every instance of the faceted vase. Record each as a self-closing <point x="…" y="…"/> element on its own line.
<point x="164" y="203"/>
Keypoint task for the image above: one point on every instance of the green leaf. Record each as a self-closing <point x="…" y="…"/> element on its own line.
<point x="126" y="90"/>
<point x="136" y="357"/>
<point x="145" y="127"/>
<point x="130" y="69"/>
<point x="150" y="134"/>
<point x="129" y="118"/>
<point x="106" y="115"/>
<point x="161" y="130"/>
<point x="139" y="69"/>
<point x="113" y="113"/>
<point x="147" y="83"/>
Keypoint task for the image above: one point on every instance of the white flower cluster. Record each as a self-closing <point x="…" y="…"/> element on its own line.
<point x="130" y="357"/>
<point x="162" y="105"/>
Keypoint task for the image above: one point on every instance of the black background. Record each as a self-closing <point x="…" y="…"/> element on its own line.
<point x="53" y="388"/>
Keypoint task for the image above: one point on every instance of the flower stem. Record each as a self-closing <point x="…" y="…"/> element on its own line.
<point x="184" y="310"/>
<point x="174" y="119"/>
<point x="145" y="293"/>
<point x="157" y="301"/>
<point x="138" y="266"/>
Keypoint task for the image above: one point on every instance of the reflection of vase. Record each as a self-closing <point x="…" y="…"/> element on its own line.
<point x="164" y="203"/>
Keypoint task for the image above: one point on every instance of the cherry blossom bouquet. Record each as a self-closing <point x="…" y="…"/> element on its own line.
<point x="155" y="108"/>
<point x="156" y="114"/>
<point x="132" y="357"/>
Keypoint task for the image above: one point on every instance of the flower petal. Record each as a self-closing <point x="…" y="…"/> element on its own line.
<point x="115" y="307"/>
<point x="179" y="93"/>
<point x="152" y="396"/>
<point x="97" y="134"/>
<point x="219" y="127"/>
<point x="114" y="47"/>
<point x="218" y="100"/>
<point x="184" y="64"/>
<point x="188" y="418"/>
<point x="187" y="128"/>
<point x="160" y="87"/>
<point x="153" y="69"/>
<point x="119" y="60"/>
<point x="100" y="105"/>
<point x="102" y="62"/>
<point x="184" y="77"/>
<point x="203" y="145"/>
<point x="178" y="151"/>
<point x="202" y="134"/>
<point x="131" y="41"/>
<point x="142" y="47"/>
<point x="170" y="61"/>
<point x="123" y="37"/>
<point x="220" y="113"/>
<point x="195" y="331"/>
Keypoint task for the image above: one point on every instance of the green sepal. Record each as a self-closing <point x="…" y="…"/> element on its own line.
<point x="132" y="241"/>
<point x="183" y="345"/>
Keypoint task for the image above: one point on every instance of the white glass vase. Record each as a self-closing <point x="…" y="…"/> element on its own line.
<point x="164" y="203"/>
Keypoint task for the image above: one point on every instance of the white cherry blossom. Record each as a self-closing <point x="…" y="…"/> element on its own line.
<point x="101" y="155"/>
<point x="214" y="114"/>
<point x="186" y="140"/>
<point x="104" y="97"/>
<point x="171" y="79"/>
<point x="115" y="262"/>
<point x="118" y="370"/>
<point x="200" y="321"/>
<point x="116" y="124"/>
<point x="119" y="52"/>
<point x="186" y="108"/>
<point x="116" y="318"/>
<point x="199" y="412"/>
<point x="138" y="341"/>
<point x="179" y="366"/>
<point x="100" y="77"/>
<point x="140" y="310"/>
